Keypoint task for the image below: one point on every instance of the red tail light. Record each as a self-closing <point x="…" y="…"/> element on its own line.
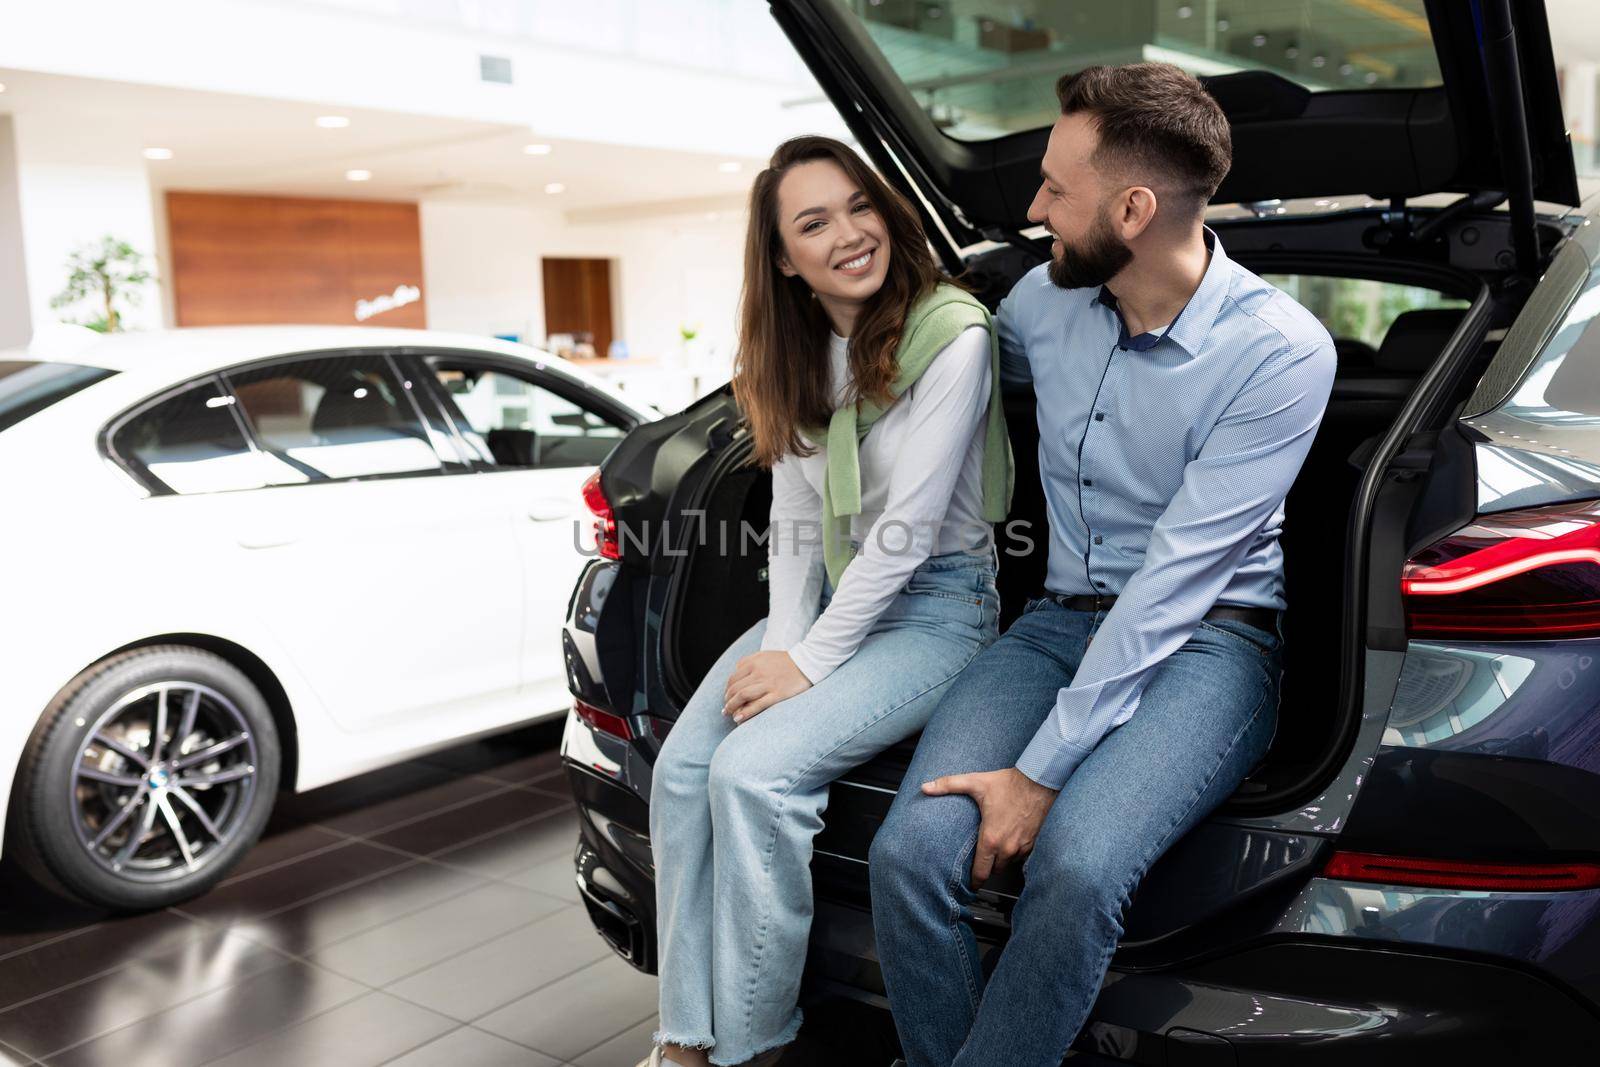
<point x="605" y="524"/>
<point x="1450" y="874"/>
<point x="1519" y="575"/>
<point x="604" y="721"/>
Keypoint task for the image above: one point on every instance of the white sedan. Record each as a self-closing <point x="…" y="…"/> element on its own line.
<point x="251" y="558"/>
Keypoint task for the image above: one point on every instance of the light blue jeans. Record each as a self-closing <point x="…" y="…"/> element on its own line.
<point x="1206" y="717"/>
<point x="734" y="809"/>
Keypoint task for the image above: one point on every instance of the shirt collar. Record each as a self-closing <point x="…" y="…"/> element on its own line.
<point x="1194" y="320"/>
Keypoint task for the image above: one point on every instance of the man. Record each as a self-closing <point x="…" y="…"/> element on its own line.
<point x="1177" y="397"/>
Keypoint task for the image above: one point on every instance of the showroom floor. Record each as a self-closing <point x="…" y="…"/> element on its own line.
<point x="420" y="915"/>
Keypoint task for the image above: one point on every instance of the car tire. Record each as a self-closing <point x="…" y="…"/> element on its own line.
<point x="198" y="803"/>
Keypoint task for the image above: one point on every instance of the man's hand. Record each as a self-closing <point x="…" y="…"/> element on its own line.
<point x="759" y="681"/>
<point x="1011" y="808"/>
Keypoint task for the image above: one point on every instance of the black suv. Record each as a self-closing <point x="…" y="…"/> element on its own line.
<point x="1415" y="866"/>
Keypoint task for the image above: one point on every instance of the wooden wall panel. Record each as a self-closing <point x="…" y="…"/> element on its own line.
<point x="577" y="299"/>
<point x="265" y="259"/>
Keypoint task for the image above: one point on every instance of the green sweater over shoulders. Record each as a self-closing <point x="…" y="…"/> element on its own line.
<point x="934" y="320"/>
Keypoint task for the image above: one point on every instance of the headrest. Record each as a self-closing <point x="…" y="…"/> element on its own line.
<point x="1354" y="355"/>
<point x="350" y="402"/>
<point x="1416" y="338"/>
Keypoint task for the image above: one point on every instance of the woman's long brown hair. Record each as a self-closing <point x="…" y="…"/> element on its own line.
<point x="780" y="376"/>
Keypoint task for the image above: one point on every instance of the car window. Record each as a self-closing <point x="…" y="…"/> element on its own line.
<point x="982" y="70"/>
<point x="188" y="443"/>
<point x="513" y="421"/>
<point x="1359" y="309"/>
<point x="333" y="417"/>
<point x="27" y="387"/>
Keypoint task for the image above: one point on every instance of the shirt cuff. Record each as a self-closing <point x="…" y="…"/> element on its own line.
<point x="1049" y="760"/>
<point x="803" y="659"/>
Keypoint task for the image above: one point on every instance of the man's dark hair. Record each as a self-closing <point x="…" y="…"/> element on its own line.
<point x="1157" y="126"/>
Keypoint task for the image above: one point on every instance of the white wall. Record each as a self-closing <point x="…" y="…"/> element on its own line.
<point x="16" y="320"/>
<point x="481" y="272"/>
<point x="75" y="185"/>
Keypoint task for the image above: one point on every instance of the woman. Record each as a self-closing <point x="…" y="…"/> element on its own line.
<point x="881" y="582"/>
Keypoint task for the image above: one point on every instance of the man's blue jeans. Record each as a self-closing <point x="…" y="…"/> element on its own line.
<point x="1204" y="720"/>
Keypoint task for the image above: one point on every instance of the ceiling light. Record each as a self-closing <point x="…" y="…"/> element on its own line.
<point x="332" y="122"/>
<point x="158" y="153"/>
<point x="536" y="149"/>
<point x="357" y="175"/>
<point x="555" y="187"/>
<point x="733" y="166"/>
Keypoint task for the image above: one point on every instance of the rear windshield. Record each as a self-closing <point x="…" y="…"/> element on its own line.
<point x="28" y="387"/>
<point x="983" y="69"/>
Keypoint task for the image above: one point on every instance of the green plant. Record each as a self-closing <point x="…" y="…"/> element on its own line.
<point x="689" y="333"/>
<point x="112" y="272"/>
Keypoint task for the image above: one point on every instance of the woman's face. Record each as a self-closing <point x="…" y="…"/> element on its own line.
<point x="832" y="237"/>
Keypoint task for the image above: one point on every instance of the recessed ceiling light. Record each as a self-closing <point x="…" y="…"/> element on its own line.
<point x="555" y="187"/>
<point x="332" y="122"/>
<point x="536" y="149"/>
<point x="733" y="166"/>
<point x="158" y="153"/>
<point x="357" y="175"/>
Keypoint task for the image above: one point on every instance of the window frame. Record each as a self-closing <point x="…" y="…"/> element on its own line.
<point x="141" y="475"/>
<point x="534" y="372"/>
<point x="428" y="416"/>
<point x="386" y="356"/>
<point x="70" y="384"/>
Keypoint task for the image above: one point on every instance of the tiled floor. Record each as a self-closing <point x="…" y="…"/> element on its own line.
<point x="420" y="915"/>
<point x="423" y="914"/>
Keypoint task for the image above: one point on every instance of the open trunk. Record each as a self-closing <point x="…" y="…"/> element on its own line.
<point x="1323" y="699"/>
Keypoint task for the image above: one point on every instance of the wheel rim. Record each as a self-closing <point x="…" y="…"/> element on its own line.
<point x="163" y="782"/>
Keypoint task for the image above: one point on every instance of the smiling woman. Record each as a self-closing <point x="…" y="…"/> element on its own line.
<point x="848" y="327"/>
<point x="815" y="213"/>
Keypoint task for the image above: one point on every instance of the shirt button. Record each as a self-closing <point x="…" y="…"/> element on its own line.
<point x="1099" y="416"/>
<point x="1088" y="481"/>
<point x="1098" y="539"/>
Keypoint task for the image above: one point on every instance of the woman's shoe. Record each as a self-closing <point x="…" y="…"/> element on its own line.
<point x="658" y="1058"/>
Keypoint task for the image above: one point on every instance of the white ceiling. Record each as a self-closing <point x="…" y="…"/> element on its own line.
<point x="232" y="143"/>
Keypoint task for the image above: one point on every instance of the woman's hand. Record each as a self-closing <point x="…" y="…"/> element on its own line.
<point x="759" y="681"/>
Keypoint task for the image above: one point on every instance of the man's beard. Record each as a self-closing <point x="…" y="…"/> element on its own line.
<point x="1103" y="254"/>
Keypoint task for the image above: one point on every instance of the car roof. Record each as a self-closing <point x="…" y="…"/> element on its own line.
<point x="185" y="352"/>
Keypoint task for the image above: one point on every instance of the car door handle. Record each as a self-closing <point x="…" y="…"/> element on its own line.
<point x="268" y="539"/>
<point x="549" y="509"/>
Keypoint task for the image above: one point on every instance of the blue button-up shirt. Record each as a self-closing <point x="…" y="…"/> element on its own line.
<point x="1165" y="459"/>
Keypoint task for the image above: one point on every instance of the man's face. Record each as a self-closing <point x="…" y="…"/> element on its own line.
<point x="1074" y="204"/>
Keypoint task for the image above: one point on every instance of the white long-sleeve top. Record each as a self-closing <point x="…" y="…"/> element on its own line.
<point x="921" y="495"/>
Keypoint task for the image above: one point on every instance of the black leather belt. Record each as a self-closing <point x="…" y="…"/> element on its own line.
<point x="1261" y="618"/>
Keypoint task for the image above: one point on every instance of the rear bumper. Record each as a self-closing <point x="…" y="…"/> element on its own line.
<point x="1300" y="1000"/>
<point x="1274" y="1003"/>
<point x="615" y="875"/>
